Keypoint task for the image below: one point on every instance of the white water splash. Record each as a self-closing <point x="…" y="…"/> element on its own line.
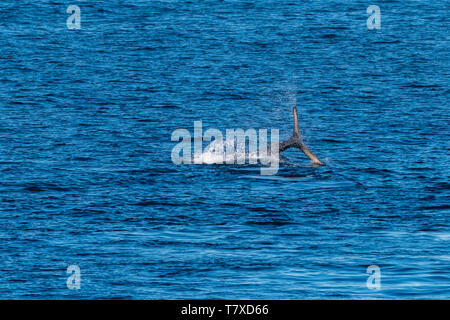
<point x="224" y="152"/>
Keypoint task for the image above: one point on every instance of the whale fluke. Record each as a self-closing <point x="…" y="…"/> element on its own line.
<point x="295" y="141"/>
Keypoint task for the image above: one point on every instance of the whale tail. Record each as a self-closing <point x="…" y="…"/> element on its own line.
<point x="295" y="141"/>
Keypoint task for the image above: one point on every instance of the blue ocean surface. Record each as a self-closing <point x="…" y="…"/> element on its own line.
<point x="87" y="179"/>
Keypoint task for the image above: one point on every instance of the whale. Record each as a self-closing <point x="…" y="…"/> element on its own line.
<point x="296" y="141"/>
<point x="215" y="152"/>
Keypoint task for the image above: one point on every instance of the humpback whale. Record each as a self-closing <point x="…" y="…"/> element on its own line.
<point x="234" y="144"/>
<point x="295" y="141"/>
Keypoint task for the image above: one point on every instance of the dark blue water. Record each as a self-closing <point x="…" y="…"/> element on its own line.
<point x="86" y="176"/>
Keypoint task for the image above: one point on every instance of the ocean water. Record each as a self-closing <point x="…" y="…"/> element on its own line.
<point x="87" y="179"/>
